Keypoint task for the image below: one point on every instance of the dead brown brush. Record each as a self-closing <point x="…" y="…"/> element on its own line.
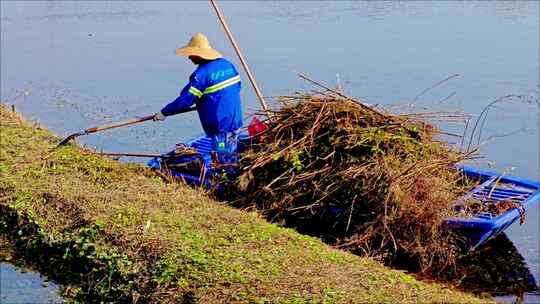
<point x="381" y="184"/>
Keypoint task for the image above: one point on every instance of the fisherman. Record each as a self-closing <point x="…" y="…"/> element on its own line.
<point x="214" y="87"/>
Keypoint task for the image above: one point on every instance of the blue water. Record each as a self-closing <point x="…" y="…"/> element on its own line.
<point x="19" y="286"/>
<point x="72" y="65"/>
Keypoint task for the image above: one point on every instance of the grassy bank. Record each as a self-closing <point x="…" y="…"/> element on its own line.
<point x="115" y="232"/>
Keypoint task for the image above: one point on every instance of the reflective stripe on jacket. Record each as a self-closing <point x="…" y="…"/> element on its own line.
<point x="215" y="89"/>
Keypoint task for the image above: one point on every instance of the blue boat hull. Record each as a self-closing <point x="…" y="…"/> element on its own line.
<point x="486" y="226"/>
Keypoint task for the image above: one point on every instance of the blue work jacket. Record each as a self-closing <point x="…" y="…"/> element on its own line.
<point x="215" y="89"/>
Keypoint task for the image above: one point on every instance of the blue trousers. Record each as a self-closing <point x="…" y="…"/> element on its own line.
<point x="226" y="144"/>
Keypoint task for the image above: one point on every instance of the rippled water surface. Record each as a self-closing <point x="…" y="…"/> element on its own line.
<point x="72" y="65"/>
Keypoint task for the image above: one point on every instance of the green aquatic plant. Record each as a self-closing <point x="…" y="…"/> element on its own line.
<point x="110" y="232"/>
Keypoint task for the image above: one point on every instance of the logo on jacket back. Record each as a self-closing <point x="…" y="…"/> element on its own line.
<point x="221" y="74"/>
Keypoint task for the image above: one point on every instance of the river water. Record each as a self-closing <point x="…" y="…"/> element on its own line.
<point x="21" y="286"/>
<point x="72" y="65"/>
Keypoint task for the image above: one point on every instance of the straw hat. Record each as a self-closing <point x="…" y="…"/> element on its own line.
<point x="198" y="45"/>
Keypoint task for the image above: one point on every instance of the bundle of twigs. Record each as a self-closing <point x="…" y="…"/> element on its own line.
<point x="380" y="183"/>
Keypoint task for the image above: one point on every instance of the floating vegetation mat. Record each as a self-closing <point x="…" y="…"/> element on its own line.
<point x="380" y="184"/>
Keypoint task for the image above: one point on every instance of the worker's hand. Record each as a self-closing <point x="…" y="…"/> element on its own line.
<point x="159" y="116"/>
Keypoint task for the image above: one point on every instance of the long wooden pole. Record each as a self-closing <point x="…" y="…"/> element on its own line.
<point x="242" y="60"/>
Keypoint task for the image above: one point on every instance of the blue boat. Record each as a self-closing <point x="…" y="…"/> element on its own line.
<point x="494" y="188"/>
<point x="197" y="167"/>
<point x="194" y="162"/>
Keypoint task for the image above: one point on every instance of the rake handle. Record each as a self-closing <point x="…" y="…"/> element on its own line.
<point x="118" y="124"/>
<point x="129" y="122"/>
<point x="112" y="126"/>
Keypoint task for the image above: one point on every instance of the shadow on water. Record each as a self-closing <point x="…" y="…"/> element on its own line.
<point x="496" y="268"/>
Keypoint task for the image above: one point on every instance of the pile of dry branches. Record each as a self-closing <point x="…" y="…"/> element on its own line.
<point x="381" y="184"/>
